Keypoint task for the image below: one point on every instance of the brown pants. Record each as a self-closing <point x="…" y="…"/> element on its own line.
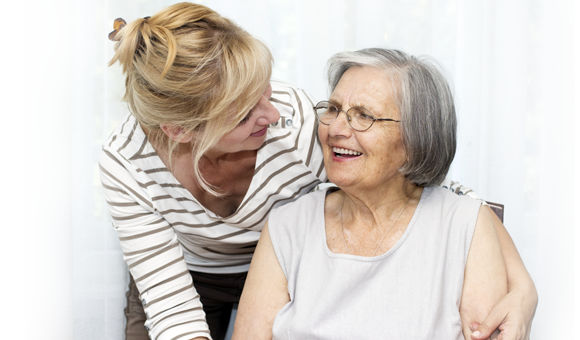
<point x="218" y="293"/>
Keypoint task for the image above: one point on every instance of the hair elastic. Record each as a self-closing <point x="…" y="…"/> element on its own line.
<point x="118" y="24"/>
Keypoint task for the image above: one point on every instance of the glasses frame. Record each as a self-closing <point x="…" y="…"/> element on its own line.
<point x="348" y="117"/>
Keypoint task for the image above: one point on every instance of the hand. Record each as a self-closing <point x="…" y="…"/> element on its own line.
<point x="512" y="315"/>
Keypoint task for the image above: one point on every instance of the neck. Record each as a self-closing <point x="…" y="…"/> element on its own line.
<point x="371" y="207"/>
<point x="181" y="153"/>
<point x="217" y="159"/>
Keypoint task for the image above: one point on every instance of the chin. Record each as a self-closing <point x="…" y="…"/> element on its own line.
<point x="253" y="144"/>
<point x="340" y="180"/>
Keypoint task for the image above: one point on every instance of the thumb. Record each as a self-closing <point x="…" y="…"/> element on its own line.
<point x="483" y="330"/>
<point x="492" y="321"/>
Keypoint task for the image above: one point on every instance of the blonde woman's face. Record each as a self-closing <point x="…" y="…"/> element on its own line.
<point x="250" y="133"/>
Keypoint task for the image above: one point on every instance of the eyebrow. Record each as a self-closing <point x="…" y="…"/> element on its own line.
<point x="371" y="109"/>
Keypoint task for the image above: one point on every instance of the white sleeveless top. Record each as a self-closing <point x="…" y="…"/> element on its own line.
<point x="411" y="292"/>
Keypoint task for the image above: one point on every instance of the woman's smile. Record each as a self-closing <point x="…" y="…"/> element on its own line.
<point x="345" y="153"/>
<point x="260" y="133"/>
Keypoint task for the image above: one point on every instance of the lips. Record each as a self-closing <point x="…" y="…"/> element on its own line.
<point x="259" y="133"/>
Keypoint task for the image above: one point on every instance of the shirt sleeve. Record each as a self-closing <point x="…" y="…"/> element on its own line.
<point x="153" y="254"/>
<point x="297" y="113"/>
<point x="459" y="189"/>
<point x="311" y="128"/>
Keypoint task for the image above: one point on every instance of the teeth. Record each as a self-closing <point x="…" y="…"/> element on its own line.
<point x="346" y="151"/>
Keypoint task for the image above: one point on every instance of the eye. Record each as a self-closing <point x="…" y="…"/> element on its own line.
<point x="332" y="109"/>
<point x="246" y="118"/>
<point x="363" y="114"/>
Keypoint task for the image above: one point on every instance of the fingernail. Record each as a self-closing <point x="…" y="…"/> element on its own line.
<point x="471" y="327"/>
<point x="476" y="334"/>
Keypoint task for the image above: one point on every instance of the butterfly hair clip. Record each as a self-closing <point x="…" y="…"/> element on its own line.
<point x="117" y="25"/>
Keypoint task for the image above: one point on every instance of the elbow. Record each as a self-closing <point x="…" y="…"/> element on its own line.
<point x="526" y="288"/>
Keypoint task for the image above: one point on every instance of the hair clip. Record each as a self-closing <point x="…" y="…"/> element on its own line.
<point x="117" y="25"/>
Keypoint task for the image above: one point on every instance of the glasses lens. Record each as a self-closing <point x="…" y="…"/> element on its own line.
<point x="326" y="112"/>
<point x="361" y="119"/>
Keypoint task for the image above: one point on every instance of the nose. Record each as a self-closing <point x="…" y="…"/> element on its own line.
<point x="268" y="114"/>
<point x="340" y="126"/>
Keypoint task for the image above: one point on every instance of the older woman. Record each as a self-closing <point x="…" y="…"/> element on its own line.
<point x="389" y="255"/>
<point x="190" y="176"/>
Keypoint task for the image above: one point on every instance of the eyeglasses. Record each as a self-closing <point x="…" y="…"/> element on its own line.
<point x="358" y="118"/>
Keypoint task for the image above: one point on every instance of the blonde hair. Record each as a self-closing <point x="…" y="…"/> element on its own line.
<point x="189" y="67"/>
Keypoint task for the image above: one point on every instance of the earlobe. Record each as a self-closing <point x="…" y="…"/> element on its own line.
<point x="176" y="133"/>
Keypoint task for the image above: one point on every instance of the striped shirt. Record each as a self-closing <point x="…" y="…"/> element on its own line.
<point x="164" y="231"/>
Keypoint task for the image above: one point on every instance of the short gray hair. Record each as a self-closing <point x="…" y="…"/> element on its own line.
<point x="425" y="102"/>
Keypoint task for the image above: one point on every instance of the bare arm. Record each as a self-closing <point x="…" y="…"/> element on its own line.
<point x="485" y="274"/>
<point x="518" y="276"/>
<point x="265" y="293"/>
<point x="513" y="315"/>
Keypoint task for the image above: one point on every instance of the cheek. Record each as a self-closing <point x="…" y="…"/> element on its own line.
<point x="398" y="145"/>
<point x="232" y="137"/>
<point x="322" y="133"/>
<point x="398" y="155"/>
<point x="386" y="148"/>
<point x="323" y="136"/>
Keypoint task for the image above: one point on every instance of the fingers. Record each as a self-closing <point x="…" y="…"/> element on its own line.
<point x="482" y="332"/>
<point x="509" y="320"/>
<point x="506" y="330"/>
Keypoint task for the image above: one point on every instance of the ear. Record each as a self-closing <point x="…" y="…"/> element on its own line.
<point x="176" y="133"/>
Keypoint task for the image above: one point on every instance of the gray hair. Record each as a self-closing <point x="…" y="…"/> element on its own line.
<point x="425" y="102"/>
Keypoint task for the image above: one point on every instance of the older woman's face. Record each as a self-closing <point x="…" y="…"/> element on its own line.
<point x="370" y="158"/>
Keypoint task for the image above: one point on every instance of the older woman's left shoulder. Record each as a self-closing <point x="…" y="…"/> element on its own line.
<point x="447" y="198"/>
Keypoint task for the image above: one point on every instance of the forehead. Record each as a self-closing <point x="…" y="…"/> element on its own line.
<point x="365" y="86"/>
<point x="241" y="107"/>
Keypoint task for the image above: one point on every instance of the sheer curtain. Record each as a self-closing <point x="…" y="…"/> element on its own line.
<point x="511" y="62"/>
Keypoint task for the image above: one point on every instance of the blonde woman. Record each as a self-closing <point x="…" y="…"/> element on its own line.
<point x="210" y="147"/>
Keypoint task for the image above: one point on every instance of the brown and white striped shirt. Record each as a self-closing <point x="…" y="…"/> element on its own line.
<point x="165" y="232"/>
